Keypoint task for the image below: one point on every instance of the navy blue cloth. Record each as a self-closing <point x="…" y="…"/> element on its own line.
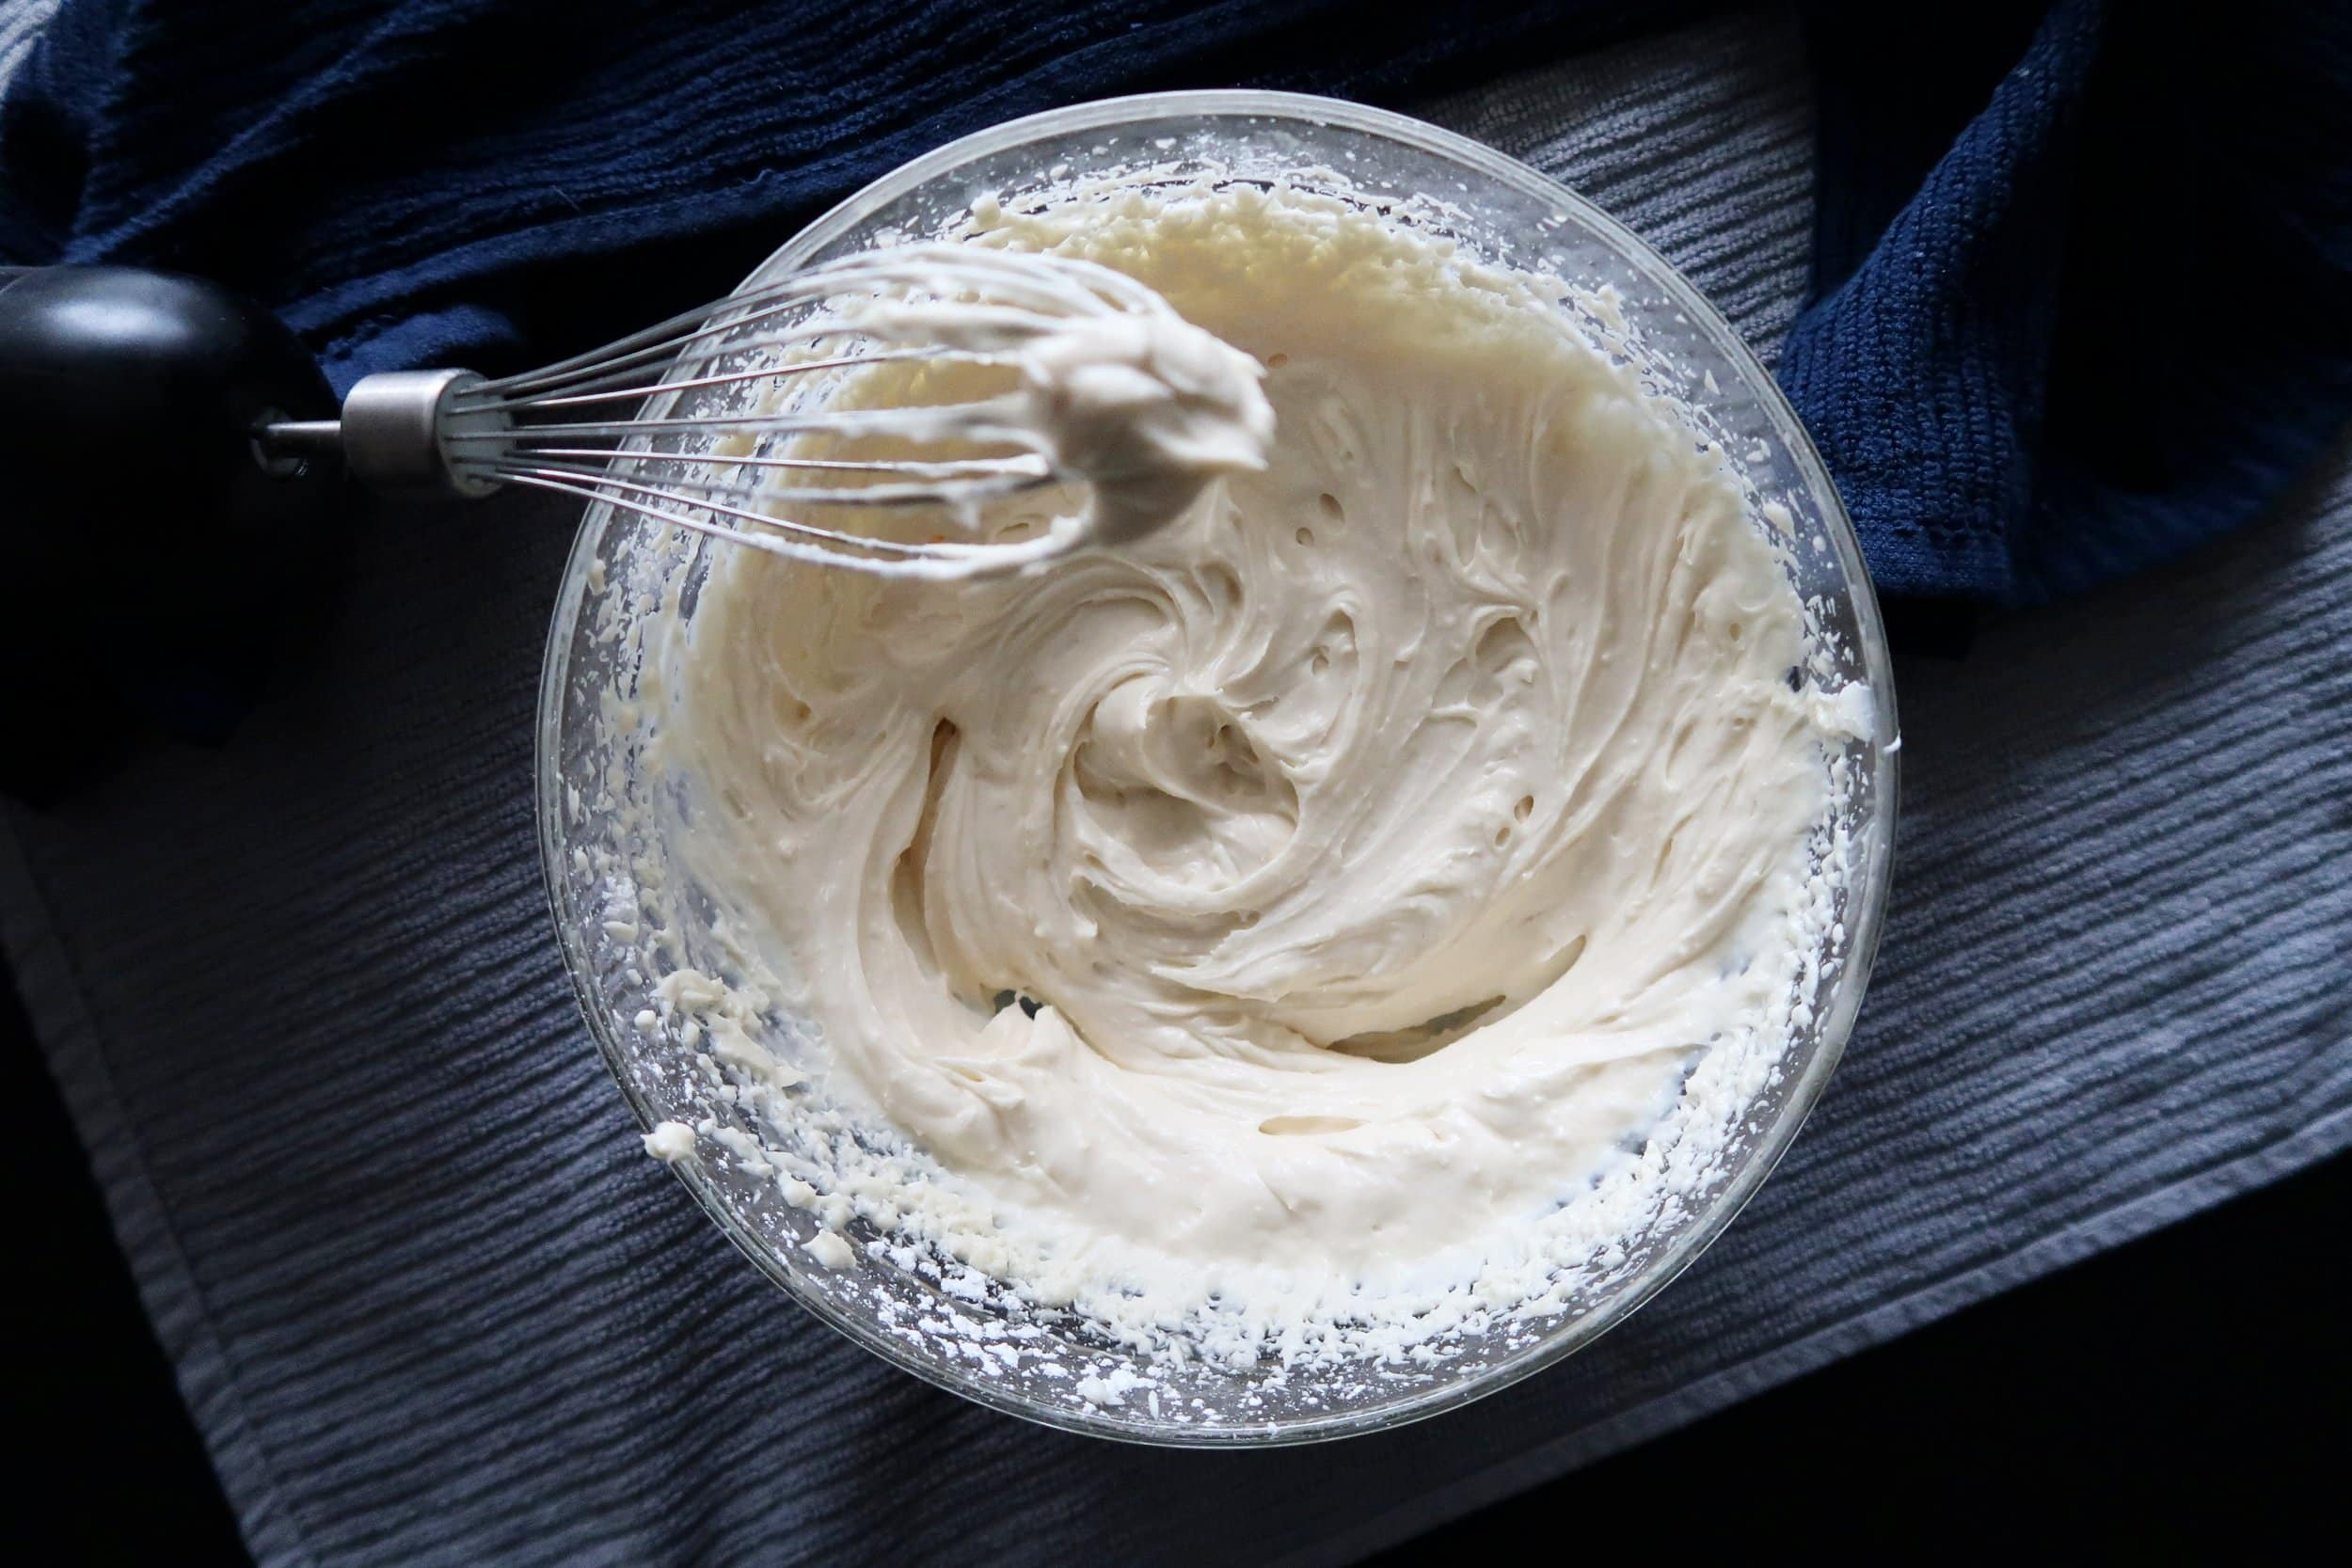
<point x="2083" y="267"/>
<point x="2085" y="274"/>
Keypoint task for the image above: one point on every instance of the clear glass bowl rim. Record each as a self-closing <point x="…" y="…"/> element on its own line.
<point x="1868" y="896"/>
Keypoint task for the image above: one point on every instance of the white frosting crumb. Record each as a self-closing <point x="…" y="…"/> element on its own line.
<point x="670" y="1141"/>
<point x="828" y="1248"/>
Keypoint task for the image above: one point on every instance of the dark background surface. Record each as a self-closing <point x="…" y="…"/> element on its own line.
<point x="2196" y="1380"/>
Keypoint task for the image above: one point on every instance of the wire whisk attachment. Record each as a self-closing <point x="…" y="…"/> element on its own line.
<point x="1107" y="386"/>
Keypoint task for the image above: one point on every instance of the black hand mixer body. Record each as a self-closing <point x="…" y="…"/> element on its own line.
<point x="162" y="562"/>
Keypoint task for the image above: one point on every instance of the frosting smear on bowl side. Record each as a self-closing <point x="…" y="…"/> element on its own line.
<point x="1319" y="900"/>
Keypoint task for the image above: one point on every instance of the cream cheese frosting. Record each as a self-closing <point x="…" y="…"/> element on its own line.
<point x="1325" y="885"/>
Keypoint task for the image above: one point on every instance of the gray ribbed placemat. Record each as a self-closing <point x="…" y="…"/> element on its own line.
<point x="21" y="21"/>
<point x="430" y="1304"/>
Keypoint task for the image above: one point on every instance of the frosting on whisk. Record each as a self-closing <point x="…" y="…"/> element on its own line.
<point x="1116" y="388"/>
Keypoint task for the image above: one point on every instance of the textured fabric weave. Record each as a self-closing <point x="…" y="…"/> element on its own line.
<point x="431" y="1304"/>
<point x="21" y="21"/>
<point x="2079" y="324"/>
<point x="2087" y="265"/>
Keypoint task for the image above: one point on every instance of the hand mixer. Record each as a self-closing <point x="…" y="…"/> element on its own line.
<point x="564" y="427"/>
<point x="173" y="456"/>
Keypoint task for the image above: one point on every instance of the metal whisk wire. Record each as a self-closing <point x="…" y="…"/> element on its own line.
<point x="540" y="430"/>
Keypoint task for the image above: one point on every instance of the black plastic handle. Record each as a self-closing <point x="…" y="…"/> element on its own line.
<point x="162" y="564"/>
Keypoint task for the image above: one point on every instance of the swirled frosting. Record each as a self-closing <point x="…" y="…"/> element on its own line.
<point x="1327" y="883"/>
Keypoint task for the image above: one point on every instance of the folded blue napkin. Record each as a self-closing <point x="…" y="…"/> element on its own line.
<point x="2081" y="268"/>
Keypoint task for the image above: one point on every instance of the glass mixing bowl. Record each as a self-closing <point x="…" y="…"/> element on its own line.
<point x="611" y="880"/>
